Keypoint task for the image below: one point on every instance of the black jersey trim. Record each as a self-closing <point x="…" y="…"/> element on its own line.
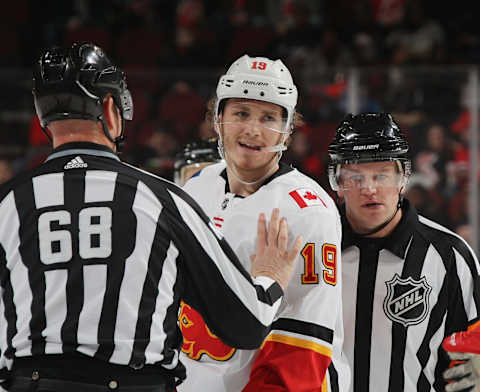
<point x="304" y="328"/>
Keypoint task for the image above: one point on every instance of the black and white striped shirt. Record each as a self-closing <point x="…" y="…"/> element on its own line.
<point x="95" y="255"/>
<point x="402" y="295"/>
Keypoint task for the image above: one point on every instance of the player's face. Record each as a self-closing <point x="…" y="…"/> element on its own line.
<point x="248" y="127"/>
<point x="370" y="191"/>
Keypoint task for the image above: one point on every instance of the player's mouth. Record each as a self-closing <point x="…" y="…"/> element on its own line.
<point x="249" y="146"/>
<point x="372" y="205"/>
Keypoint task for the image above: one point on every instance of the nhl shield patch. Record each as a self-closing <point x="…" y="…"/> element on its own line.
<point x="407" y="300"/>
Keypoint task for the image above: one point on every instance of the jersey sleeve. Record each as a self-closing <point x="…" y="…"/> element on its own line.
<point x="464" y="307"/>
<point x="298" y="350"/>
<point x="237" y="308"/>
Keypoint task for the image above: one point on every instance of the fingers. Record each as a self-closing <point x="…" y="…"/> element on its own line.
<point x="261" y="233"/>
<point x="283" y="236"/>
<point x="273" y="227"/>
<point x="295" y="249"/>
<point x="273" y="257"/>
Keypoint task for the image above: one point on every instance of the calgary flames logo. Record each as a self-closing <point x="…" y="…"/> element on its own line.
<point x="197" y="337"/>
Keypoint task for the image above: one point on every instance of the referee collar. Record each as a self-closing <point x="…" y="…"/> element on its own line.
<point x="397" y="242"/>
<point x="282" y="169"/>
<point x="78" y="148"/>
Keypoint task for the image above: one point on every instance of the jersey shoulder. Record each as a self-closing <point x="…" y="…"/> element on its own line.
<point x="158" y="185"/>
<point x="210" y="175"/>
<point x="444" y="239"/>
<point x="303" y="194"/>
<point x="21" y="178"/>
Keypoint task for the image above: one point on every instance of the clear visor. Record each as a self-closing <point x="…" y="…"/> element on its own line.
<point x="350" y="179"/>
<point x="263" y="116"/>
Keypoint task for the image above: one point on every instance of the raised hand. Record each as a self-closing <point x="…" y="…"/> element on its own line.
<point x="272" y="257"/>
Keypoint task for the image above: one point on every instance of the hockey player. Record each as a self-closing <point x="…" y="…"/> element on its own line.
<point x="254" y="114"/>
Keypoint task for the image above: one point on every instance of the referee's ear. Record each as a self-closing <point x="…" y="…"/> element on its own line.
<point x="112" y="117"/>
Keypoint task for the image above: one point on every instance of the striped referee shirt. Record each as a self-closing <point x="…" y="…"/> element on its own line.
<point x="402" y="295"/>
<point x="95" y="255"/>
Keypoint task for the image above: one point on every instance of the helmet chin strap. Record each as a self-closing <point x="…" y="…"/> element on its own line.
<point x="276" y="148"/>
<point x="119" y="140"/>
<point x="266" y="175"/>
<point x="384" y="224"/>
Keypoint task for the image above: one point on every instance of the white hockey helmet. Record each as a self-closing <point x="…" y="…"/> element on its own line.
<point x="261" y="79"/>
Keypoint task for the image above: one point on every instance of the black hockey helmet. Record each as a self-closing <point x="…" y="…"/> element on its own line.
<point x="367" y="137"/>
<point x="71" y="83"/>
<point x="196" y="153"/>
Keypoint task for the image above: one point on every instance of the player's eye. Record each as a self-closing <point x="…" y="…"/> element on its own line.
<point x="357" y="179"/>
<point x="269" y="117"/>
<point x="241" y="114"/>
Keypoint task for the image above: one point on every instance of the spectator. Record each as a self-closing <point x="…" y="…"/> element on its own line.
<point x="6" y="172"/>
<point x="419" y="40"/>
<point x="431" y="162"/>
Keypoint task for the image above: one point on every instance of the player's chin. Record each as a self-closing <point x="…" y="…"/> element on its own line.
<point x="249" y="161"/>
<point x="372" y="218"/>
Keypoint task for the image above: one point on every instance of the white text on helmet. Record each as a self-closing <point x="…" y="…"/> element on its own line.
<point x="367" y="147"/>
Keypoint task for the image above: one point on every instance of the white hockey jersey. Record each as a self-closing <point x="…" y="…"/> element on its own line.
<point x="303" y="350"/>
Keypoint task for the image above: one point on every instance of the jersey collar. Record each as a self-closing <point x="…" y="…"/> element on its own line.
<point x="282" y="169"/>
<point x="77" y="148"/>
<point x="397" y="242"/>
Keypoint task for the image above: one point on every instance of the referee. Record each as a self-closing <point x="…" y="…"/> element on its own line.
<point x="408" y="282"/>
<point x="96" y="254"/>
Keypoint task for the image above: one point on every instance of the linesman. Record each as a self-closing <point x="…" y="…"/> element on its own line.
<point x="408" y="282"/>
<point x="96" y="254"/>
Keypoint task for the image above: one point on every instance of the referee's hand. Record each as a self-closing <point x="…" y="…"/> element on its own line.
<point x="272" y="258"/>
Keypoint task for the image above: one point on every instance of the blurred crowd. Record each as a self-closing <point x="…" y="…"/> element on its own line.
<point x="174" y="51"/>
<point x="211" y="33"/>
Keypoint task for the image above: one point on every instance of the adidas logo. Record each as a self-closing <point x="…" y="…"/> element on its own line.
<point x="75" y="163"/>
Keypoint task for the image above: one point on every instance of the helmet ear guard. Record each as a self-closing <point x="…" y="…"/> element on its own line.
<point x="72" y="83"/>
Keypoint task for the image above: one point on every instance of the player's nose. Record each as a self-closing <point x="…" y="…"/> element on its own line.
<point x="369" y="186"/>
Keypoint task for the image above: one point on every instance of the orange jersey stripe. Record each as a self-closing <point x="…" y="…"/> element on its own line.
<point x="299" y="343"/>
<point x="474" y="326"/>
